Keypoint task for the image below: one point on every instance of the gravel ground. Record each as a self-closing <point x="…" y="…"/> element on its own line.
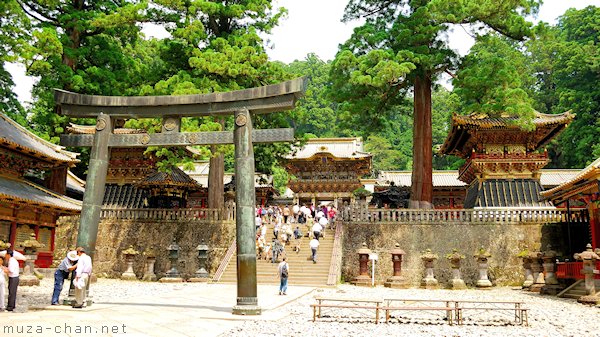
<point x="31" y="298"/>
<point x="548" y="316"/>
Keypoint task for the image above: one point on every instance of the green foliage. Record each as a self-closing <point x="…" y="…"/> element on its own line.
<point x="491" y="81"/>
<point x="564" y="60"/>
<point x="13" y="37"/>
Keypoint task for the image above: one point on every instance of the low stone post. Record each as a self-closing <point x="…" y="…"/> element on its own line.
<point x="589" y="258"/>
<point x="201" y="274"/>
<point x="551" y="286"/>
<point x="30" y="248"/>
<point x="363" y="278"/>
<point x="172" y="275"/>
<point x="525" y="256"/>
<point x="150" y="260"/>
<point x="455" y="258"/>
<point x="129" y="255"/>
<point x="538" y="272"/>
<point x="397" y="280"/>
<point x="429" y="281"/>
<point x="482" y="257"/>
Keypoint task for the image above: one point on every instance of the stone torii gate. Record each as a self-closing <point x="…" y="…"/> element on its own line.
<point x="112" y="110"/>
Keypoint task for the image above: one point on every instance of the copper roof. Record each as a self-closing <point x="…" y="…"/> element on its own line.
<point x="506" y="193"/>
<point x="91" y="129"/>
<point x="75" y="183"/>
<point x="485" y="122"/>
<point x="22" y="191"/>
<point x="124" y="196"/>
<point x="338" y="147"/>
<point x="176" y="178"/>
<point x="549" y="178"/>
<point x="590" y="172"/>
<point x="16" y="137"/>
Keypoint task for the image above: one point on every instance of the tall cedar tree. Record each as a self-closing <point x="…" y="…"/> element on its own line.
<point x="402" y="46"/>
<point x="215" y="46"/>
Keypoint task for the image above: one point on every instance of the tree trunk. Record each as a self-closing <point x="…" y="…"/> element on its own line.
<point x="216" y="172"/>
<point x="422" y="186"/>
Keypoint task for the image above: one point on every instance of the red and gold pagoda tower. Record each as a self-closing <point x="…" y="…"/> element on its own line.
<point x="503" y="161"/>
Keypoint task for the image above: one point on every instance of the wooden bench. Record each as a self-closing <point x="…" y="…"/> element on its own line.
<point x="347" y="303"/>
<point x="460" y="305"/>
<point x="521" y="316"/>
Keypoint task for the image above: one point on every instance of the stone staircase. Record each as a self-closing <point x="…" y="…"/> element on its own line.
<point x="576" y="290"/>
<point x="302" y="270"/>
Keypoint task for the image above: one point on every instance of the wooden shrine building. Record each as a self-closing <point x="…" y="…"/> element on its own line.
<point x="584" y="189"/>
<point x="327" y="169"/>
<point x="27" y="207"/>
<point x="503" y="161"/>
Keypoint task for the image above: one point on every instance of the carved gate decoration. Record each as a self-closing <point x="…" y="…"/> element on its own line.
<point x="111" y="110"/>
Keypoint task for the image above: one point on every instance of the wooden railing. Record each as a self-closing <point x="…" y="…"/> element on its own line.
<point x="336" y="255"/>
<point x="225" y="261"/>
<point x="162" y="214"/>
<point x="572" y="270"/>
<point x="358" y="214"/>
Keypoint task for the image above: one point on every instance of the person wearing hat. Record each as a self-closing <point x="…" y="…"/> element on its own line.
<point x="82" y="276"/>
<point x="67" y="265"/>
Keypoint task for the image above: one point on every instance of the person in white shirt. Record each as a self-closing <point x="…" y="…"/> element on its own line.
<point x="13" y="279"/>
<point x="316" y="229"/>
<point x="314" y="245"/>
<point x="82" y="276"/>
<point x="3" y="272"/>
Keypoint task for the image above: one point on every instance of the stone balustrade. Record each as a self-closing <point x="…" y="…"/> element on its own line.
<point x="361" y="214"/>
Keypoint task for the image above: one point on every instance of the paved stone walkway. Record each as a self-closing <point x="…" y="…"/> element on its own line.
<point x="195" y="310"/>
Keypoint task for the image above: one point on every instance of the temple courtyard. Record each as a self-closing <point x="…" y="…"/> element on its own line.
<point x="132" y="308"/>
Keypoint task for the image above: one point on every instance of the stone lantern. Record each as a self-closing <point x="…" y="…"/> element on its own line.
<point x="397" y="280"/>
<point x="482" y="257"/>
<point x="551" y="286"/>
<point x="363" y="278"/>
<point x="525" y="256"/>
<point x="589" y="258"/>
<point x="538" y="272"/>
<point x="150" y="260"/>
<point x="129" y="255"/>
<point x="429" y="282"/>
<point x="201" y="274"/>
<point x="455" y="258"/>
<point x="173" y="274"/>
<point x="30" y="248"/>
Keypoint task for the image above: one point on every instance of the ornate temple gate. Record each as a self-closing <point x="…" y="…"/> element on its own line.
<point x="112" y="110"/>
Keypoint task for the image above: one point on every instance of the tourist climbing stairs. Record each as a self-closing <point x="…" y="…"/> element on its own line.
<point x="302" y="270"/>
<point x="576" y="290"/>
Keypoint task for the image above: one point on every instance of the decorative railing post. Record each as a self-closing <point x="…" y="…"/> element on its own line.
<point x="429" y="281"/>
<point x="482" y="257"/>
<point x="589" y="258"/>
<point x="129" y="255"/>
<point x="455" y="258"/>
<point x="397" y="280"/>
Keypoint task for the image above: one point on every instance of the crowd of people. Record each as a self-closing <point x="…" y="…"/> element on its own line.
<point x="289" y="225"/>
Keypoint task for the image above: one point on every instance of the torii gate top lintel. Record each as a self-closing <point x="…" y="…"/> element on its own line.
<point x="265" y="99"/>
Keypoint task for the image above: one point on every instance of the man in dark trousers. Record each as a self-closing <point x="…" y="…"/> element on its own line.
<point x="13" y="279"/>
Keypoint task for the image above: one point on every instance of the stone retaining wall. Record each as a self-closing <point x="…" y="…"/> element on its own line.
<point x="114" y="236"/>
<point x="503" y="241"/>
